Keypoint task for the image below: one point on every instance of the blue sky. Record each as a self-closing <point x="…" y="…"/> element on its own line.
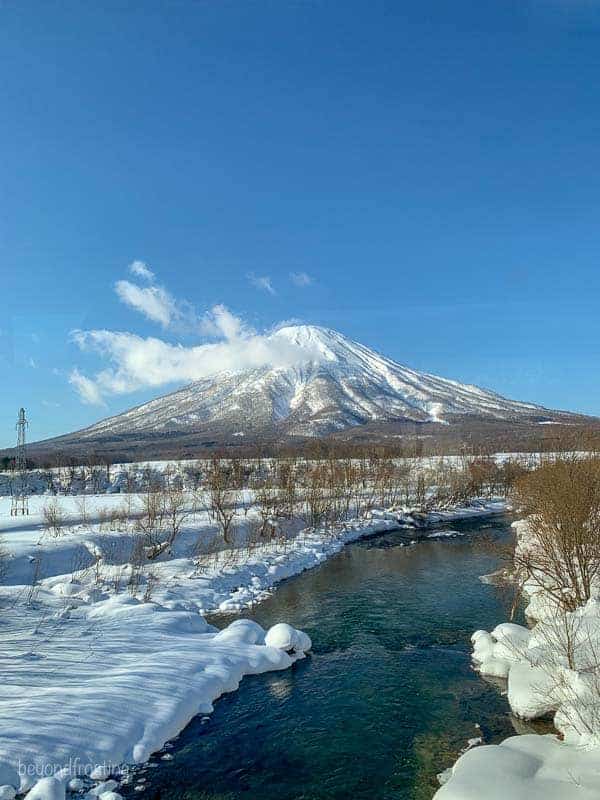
<point x="433" y="167"/>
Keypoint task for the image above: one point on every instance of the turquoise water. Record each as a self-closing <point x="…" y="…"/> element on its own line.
<point x="386" y="700"/>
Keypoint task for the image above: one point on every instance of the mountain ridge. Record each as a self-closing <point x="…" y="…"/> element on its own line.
<point x="333" y="386"/>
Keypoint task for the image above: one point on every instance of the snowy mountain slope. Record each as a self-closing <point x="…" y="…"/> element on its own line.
<point x="334" y="384"/>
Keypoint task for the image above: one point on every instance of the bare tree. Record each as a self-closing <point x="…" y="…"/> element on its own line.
<point x="164" y="512"/>
<point x="562" y="551"/>
<point x="223" y="498"/>
<point x="316" y="501"/>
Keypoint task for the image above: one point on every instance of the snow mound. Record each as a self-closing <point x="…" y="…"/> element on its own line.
<point x="47" y="789"/>
<point x="284" y="637"/>
<point x="526" y="767"/>
<point x="138" y="672"/>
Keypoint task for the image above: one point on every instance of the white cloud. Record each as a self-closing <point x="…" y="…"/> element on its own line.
<point x="220" y="322"/>
<point x="301" y="279"/>
<point x="138" y="363"/>
<point x="135" y="362"/>
<point x="153" y="302"/>
<point x="141" y="270"/>
<point x="88" y="390"/>
<point x="262" y="282"/>
<point x="32" y="363"/>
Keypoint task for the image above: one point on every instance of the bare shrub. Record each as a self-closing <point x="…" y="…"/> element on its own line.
<point x="164" y="511"/>
<point x="82" y="508"/>
<point x="4" y="558"/>
<point x="194" y="475"/>
<point x="102" y="517"/>
<point x="316" y="502"/>
<point x="450" y="484"/>
<point x="562" y="635"/>
<point x="562" y="553"/>
<point x="151" y="584"/>
<point x="365" y="490"/>
<point x="223" y="497"/>
<point x="33" y="588"/>
<point x="510" y="472"/>
<point x="53" y="517"/>
<point x="205" y="551"/>
<point x="79" y="562"/>
<point x="420" y="494"/>
<point x="137" y="560"/>
<point x="176" y="511"/>
<point x="286" y="481"/>
<point x="484" y="477"/>
<point x="269" y="510"/>
<point x="387" y="483"/>
<point x="567" y="640"/>
<point x="117" y="518"/>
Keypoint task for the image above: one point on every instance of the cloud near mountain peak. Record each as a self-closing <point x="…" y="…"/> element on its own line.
<point x="136" y="362"/>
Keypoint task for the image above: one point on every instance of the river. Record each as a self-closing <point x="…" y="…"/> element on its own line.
<point x="386" y="700"/>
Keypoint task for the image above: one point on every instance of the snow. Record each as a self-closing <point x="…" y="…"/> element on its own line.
<point x="496" y="651"/>
<point x="436" y="411"/>
<point x="48" y="789"/>
<point x="162" y="665"/>
<point x="95" y="677"/>
<point x="551" y="668"/>
<point x="101" y="788"/>
<point x="285" y="637"/>
<point x="525" y="767"/>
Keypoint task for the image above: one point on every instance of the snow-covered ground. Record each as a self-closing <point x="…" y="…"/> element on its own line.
<point x="103" y="661"/>
<point x="132" y="477"/>
<point x="552" y="668"/>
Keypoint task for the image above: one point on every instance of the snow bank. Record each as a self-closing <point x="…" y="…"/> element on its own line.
<point x="228" y="586"/>
<point x="495" y="652"/>
<point x="526" y="767"/>
<point x="552" y="668"/>
<point x="94" y="678"/>
<point x="116" y="683"/>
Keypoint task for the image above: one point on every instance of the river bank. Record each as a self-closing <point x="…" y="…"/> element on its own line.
<point x="552" y="668"/>
<point x="78" y="651"/>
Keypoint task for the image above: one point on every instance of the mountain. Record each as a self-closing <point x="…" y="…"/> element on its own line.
<point x="331" y="386"/>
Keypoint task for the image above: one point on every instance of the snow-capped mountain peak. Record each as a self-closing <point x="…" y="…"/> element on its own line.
<point x="326" y="383"/>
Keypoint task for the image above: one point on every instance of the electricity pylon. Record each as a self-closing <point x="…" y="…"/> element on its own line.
<point x="20" y="492"/>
